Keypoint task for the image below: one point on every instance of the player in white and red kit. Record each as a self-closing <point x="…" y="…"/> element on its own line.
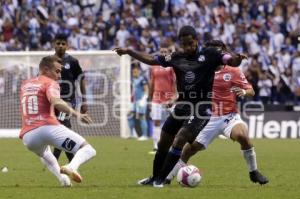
<point x="229" y="83"/>
<point x="163" y="93"/>
<point x="40" y="128"/>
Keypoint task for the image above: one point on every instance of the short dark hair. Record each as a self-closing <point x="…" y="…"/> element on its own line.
<point x="186" y="31"/>
<point x="136" y="65"/>
<point x="48" y="61"/>
<point x="216" y="43"/>
<point x="61" y="36"/>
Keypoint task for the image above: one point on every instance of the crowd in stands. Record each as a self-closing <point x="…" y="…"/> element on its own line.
<point x="268" y="31"/>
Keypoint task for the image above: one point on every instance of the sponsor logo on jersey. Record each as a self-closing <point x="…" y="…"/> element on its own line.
<point x="67" y="66"/>
<point x="189" y="76"/>
<point x="227" y="77"/>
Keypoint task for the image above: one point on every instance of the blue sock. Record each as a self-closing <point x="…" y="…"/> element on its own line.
<point x="131" y="124"/>
<point x="144" y="127"/>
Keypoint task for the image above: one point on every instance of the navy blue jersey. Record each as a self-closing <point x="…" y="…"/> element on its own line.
<point x="194" y="74"/>
<point x="71" y="71"/>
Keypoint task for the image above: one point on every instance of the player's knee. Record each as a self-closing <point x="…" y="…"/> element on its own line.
<point x="179" y="141"/>
<point x="91" y="150"/>
<point x="196" y="146"/>
<point x="184" y="137"/>
<point x="242" y="138"/>
<point x="239" y="133"/>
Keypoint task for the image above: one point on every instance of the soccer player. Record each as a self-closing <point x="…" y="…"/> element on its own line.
<point x="139" y="98"/>
<point x="163" y="94"/>
<point x="40" y="128"/>
<point x="71" y="71"/>
<point x="229" y="83"/>
<point x="194" y="71"/>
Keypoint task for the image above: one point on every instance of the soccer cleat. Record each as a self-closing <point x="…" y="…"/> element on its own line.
<point x="65" y="181"/>
<point x="158" y="183"/>
<point x="146" y="181"/>
<point x="142" y="138"/>
<point x="74" y="175"/>
<point x="256" y="176"/>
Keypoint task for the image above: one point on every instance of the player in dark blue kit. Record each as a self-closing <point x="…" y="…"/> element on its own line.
<point x="194" y="69"/>
<point x="71" y="71"/>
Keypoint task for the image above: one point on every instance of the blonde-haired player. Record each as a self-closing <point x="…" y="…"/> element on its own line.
<point x="40" y="128"/>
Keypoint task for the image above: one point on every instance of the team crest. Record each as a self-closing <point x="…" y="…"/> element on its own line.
<point x="168" y="57"/>
<point x="67" y="66"/>
<point x="201" y="58"/>
<point x="227" y="77"/>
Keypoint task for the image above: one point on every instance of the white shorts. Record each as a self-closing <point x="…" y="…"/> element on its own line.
<point x="218" y="125"/>
<point x="58" y="136"/>
<point x="158" y="111"/>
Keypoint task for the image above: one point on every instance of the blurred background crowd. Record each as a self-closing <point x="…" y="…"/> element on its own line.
<point x="268" y="31"/>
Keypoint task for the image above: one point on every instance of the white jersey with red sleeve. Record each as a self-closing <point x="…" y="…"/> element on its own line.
<point x="163" y="84"/>
<point x="35" y="98"/>
<point x="224" y="100"/>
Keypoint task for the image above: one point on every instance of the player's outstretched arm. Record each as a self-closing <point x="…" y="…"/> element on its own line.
<point x="234" y="59"/>
<point x="62" y="106"/>
<point x="142" y="57"/>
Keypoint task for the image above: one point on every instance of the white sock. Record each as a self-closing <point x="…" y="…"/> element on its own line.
<point x="49" y="160"/>
<point x="175" y="170"/>
<point x="156" y="136"/>
<point x="250" y="157"/>
<point x="81" y="156"/>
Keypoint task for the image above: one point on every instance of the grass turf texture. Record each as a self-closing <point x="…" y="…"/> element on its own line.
<point x="120" y="163"/>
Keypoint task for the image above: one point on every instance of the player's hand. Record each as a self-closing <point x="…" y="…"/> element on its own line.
<point x="121" y="51"/>
<point x="85" y="118"/>
<point x="238" y="91"/>
<point x="83" y="108"/>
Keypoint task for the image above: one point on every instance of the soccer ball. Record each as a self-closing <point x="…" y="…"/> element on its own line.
<point x="189" y="176"/>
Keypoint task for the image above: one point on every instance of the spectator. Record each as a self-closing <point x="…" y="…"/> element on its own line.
<point x="264" y="30"/>
<point x="122" y="35"/>
<point x="264" y="86"/>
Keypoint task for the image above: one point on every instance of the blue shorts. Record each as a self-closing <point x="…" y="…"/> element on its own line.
<point x="137" y="108"/>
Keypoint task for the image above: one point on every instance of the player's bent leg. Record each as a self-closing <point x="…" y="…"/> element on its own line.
<point x="172" y="156"/>
<point x="49" y="160"/>
<point x="188" y="151"/>
<point x="240" y="133"/>
<point x="84" y="154"/>
<point x="65" y="139"/>
<point x="169" y="130"/>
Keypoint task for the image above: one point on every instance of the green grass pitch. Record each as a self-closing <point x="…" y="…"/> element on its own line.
<point x="120" y="163"/>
